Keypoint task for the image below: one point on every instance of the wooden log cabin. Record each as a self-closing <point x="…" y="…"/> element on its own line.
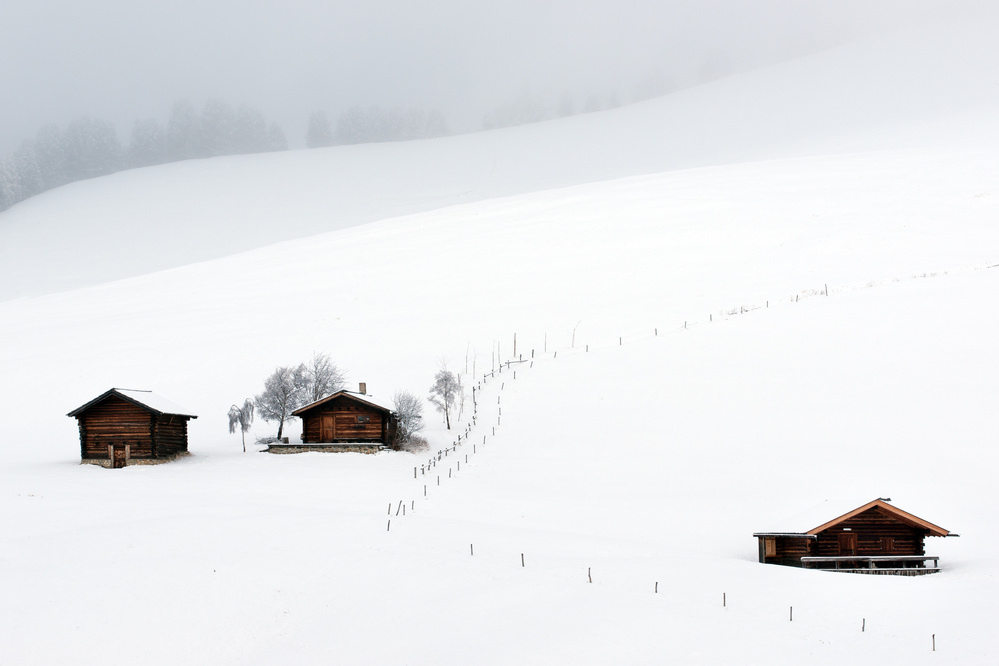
<point x="129" y="427"/>
<point x="344" y="421"/>
<point x="874" y="538"/>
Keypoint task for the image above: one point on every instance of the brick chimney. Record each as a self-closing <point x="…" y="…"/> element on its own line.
<point x="362" y="388"/>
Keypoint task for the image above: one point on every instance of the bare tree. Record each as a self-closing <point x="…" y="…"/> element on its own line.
<point x="324" y="377"/>
<point x="409" y="412"/>
<point x="284" y="391"/>
<point x="446" y="392"/>
<point x="243" y="417"/>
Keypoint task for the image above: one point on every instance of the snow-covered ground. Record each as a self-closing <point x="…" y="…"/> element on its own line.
<point x="691" y="382"/>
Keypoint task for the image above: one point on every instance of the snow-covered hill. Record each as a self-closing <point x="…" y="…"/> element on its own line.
<point x="666" y="266"/>
<point x="923" y="88"/>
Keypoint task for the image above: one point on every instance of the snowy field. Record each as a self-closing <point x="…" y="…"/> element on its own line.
<point x="717" y="336"/>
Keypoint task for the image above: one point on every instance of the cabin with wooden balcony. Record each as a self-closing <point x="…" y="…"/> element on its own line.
<point x="346" y="421"/>
<point x="874" y="538"/>
<point x="130" y="427"/>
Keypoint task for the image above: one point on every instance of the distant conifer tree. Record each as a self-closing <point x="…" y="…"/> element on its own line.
<point x="319" y="134"/>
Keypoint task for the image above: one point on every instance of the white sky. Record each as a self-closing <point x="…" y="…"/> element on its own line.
<point x="123" y="60"/>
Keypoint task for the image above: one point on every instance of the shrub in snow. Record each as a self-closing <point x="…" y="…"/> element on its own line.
<point x="409" y="416"/>
<point x="414" y="444"/>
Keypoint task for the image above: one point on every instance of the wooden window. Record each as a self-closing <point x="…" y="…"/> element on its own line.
<point x="770" y="547"/>
<point x="363" y="418"/>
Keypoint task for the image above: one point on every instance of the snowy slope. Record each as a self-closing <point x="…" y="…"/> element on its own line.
<point x="248" y="558"/>
<point x="691" y="383"/>
<point x="916" y="89"/>
<point x="388" y="300"/>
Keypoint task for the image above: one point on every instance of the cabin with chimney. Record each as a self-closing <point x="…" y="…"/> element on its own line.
<point x="874" y="538"/>
<point x="130" y="427"/>
<point x="346" y="421"/>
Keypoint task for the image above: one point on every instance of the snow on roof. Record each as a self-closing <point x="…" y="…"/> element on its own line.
<point x="377" y="402"/>
<point x="148" y="399"/>
<point x="155" y="402"/>
<point x="808" y="519"/>
<point x="381" y="403"/>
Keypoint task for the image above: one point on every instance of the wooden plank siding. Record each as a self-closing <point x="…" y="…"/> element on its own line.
<point x="786" y="550"/>
<point x="169" y="435"/>
<point x="351" y="420"/>
<point x="871" y="533"/>
<point x="116" y="421"/>
<point x="114" y="427"/>
<point x="877" y="533"/>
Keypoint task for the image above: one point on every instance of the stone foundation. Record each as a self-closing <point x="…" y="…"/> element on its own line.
<point x="106" y="463"/>
<point x="354" y="447"/>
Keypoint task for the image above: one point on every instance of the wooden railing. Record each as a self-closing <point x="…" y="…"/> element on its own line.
<point x="911" y="565"/>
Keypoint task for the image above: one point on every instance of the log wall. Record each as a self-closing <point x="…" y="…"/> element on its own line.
<point x="118" y="422"/>
<point x="878" y="533"/>
<point x="788" y="550"/>
<point x="169" y="435"/>
<point x="115" y="421"/>
<point x="347" y="426"/>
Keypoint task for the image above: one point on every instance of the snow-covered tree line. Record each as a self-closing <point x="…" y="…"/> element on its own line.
<point x="89" y="147"/>
<point x="531" y="108"/>
<point x="374" y="124"/>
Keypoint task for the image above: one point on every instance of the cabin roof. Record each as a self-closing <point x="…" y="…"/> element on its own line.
<point x="365" y="398"/>
<point x="830" y="513"/>
<point x="145" y="399"/>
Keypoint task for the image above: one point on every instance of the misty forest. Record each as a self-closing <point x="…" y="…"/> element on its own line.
<point x="89" y="147"/>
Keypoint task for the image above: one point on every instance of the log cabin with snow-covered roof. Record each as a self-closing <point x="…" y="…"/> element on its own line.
<point x="129" y="427"/>
<point x="346" y="421"/>
<point x="874" y="538"/>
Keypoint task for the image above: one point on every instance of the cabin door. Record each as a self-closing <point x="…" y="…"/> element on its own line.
<point x="326" y="430"/>
<point x="119" y="457"/>
<point x="847" y="543"/>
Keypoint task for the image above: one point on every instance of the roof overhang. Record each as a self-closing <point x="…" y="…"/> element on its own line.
<point x="904" y="516"/>
<point x="359" y="397"/>
<point x="124" y="394"/>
